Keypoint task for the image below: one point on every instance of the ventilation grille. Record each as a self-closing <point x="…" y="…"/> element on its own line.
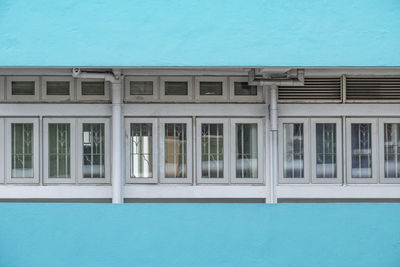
<point x="327" y="89"/>
<point x="373" y="88"/>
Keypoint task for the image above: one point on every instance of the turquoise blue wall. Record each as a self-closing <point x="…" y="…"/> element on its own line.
<point x="206" y="32"/>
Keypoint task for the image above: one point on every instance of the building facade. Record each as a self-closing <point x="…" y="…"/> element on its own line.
<point x="200" y="134"/>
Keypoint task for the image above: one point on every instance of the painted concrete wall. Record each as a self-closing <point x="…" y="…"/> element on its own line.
<point x="207" y="32"/>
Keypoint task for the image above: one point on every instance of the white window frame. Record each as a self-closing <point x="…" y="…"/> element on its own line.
<point x="69" y="97"/>
<point x="375" y="156"/>
<point x="46" y="165"/>
<point x="22" y="98"/>
<point x="105" y="97"/>
<point x="2" y="86"/>
<point x="382" y="179"/>
<point x="141" y="98"/>
<point x="154" y="122"/>
<point x="211" y="98"/>
<point x="176" y="98"/>
<point x="260" y="151"/>
<point x="107" y="157"/>
<point x="36" y="153"/>
<point x="226" y="171"/>
<point x="339" y="178"/>
<point x="189" y="138"/>
<point x="306" y="131"/>
<point x="2" y="171"/>
<point x="244" y="98"/>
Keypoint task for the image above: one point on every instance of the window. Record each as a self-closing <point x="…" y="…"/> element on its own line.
<point x="361" y="150"/>
<point x="57" y="88"/>
<point x="59" y="150"/>
<point x="210" y="88"/>
<point x="22" y="150"/>
<point x="247" y="142"/>
<point x="241" y="91"/>
<point x="212" y="150"/>
<point x="389" y="150"/>
<point x="176" y="88"/>
<point x="141" y="88"/>
<point x="176" y="150"/>
<point x="93" y="89"/>
<point x="294" y="150"/>
<point x="141" y="150"/>
<point x="326" y="150"/>
<point x="22" y="88"/>
<point x="94" y="151"/>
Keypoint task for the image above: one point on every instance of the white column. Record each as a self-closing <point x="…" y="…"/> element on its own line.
<point x="273" y="109"/>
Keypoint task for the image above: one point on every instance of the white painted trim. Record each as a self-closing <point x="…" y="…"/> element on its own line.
<point x="375" y="156"/>
<point x="60" y="110"/>
<point x="105" y="97"/>
<point x="154" y="122"/>
<point x="73" y="155"/>
<point x="57" y="98"/>
<point x="2" y="170"/>
<point x="338" y="123"/>
<point x="189" y="138"/>
<point x="107" y="152"/>
<point x="22" y="98"/>
<point x="36" y="153"/>
<point x="226" y="145"/>
<point x="260" y="152"/>
<point x="381" y="142"/>
<point x="176" y="98"/>
<point x="2" y="88"/>
<point x="142" y="98"/>
<point x="211" y="98"/>
<point x="240" y="98"/>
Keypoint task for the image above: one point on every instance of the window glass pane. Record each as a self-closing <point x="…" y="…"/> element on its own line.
<point x="23" y="88"/>
<point x="141" y="149"/>
<point x="57" y="88"/>
<point x="361" y="150"/>
<point x="59" y="150"/>
<point x="243" y="88"/>
<point x="141" y="87"/>
<point x="326" y="165"/>
<point x="22" y="150"/>
<point x="392" y="150"/>
<point x="93" y="150"/>
<point x="212" y="150"/>
<point x="210" y="88"/>
<point x="293" y="150"/>
<point x="92" y="88"/>
<point x="176" y="88"/>
<point x="246" y="150"/>
<point x="175" y="150"/>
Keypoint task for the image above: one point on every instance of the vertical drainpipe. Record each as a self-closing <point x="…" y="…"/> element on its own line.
<point x="274" y="142"/>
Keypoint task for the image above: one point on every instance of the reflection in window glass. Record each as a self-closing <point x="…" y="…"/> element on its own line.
<point x="176" y="88"/>
<point x="93" y="88"/>
<point x="246" y="150"/>
<point x="210" y="88"/>
<point x="59" y="150"/>
<point x="141" y="150"/>
<point x="212" y="150"/>
<point x="361" y="150"/>
<point x="392" y="150"/>
<point x="175" y="150"/>
<point x="93" y="150"/>
<point x="57" y="88"/>
<point x="23" y="88"/>
<point x="243" y="88"/>
<point x="293" y="150"/>
<point x="326" y="165"/>
<point x="22" y="150"/>
<point x="141" y="87"/>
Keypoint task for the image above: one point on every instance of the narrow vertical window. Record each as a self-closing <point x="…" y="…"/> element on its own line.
<point x="93" y="150"/>
<point x="293" y="150"/>
<point x="246" y="150"/>
<point x="212" y="150"/>
<point x="326" y="151"/>
<point x="175" y="150"/>
<point x="141" y="150"/>
<point x="22" y="150"/>
<point x="59" y="150"/>
<point x="392" y="150"/>
<point x="361" y="150"/>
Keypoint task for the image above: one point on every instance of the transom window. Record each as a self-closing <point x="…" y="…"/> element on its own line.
<point x="23" y="88"/>
<point x="57" y="88"/>
<point x="243" y="88"/>
<point x="176" y="88"/>
<point x="141" y="87"/>
<point x="211" y="88"/>
<point x="93" y="88"/>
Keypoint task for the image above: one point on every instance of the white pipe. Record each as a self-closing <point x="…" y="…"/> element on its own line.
<point x="274" y="140"/>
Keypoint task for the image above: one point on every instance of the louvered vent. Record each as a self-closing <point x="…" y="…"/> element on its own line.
<point x="373" y="88"/>
<point x="314" y="89"/>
